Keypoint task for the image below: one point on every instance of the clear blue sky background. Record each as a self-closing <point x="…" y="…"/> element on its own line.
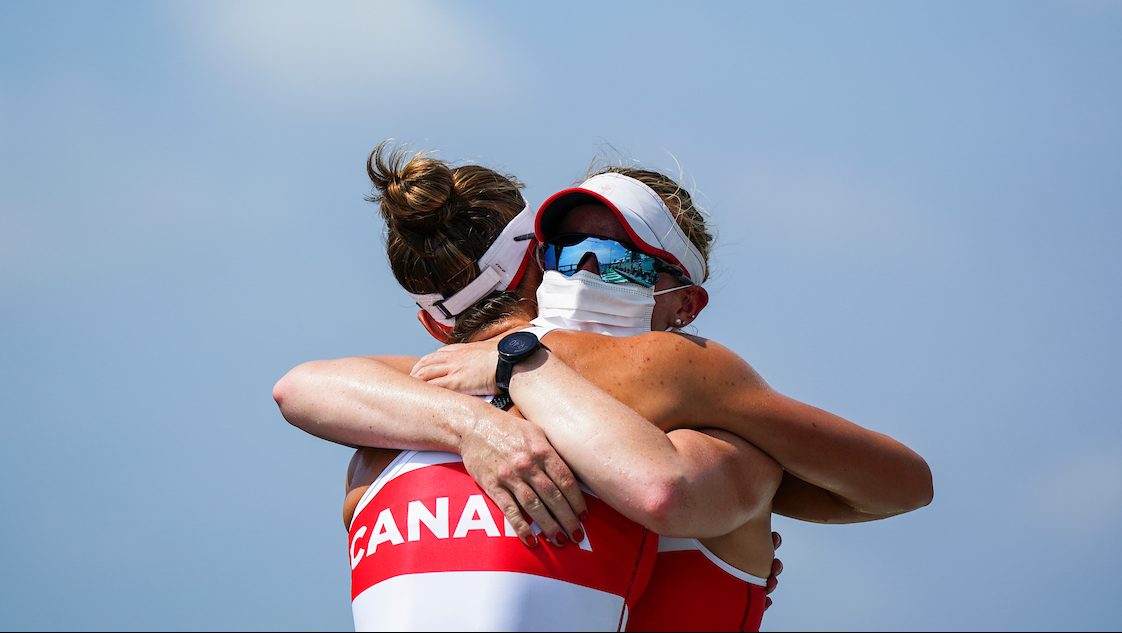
<point x="919" y="209"/>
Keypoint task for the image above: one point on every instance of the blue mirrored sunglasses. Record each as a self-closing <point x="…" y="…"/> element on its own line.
<point x="619" y="263"/>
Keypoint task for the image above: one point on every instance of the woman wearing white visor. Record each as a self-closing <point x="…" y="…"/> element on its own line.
<point x="669" y="492"/>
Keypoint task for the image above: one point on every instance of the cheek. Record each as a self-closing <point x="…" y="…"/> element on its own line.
<point x="665" y="308"/>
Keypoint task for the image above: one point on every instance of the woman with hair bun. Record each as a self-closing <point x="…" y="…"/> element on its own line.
<point x="618" y="261"/>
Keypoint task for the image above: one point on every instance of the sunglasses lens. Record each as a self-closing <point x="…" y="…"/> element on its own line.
<point x="617" y="263"/>
<point x="549" y="256"/>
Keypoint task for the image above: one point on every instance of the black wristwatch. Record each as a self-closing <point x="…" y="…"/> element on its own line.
<point x="513" y="349"/>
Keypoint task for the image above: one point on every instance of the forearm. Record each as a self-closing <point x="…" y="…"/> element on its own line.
<point x="798" y="499"/>
<point x="869" y="471"/>
<point x="729" y="482"/>
<point x="674" y="485"/>
<point x="365" y="402"/>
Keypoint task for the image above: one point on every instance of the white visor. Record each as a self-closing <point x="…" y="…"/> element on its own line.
<point x="500" y="268"/>
<point x="644" y="216"/>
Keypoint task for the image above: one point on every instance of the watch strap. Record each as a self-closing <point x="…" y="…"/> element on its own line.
<point x="502" y="401"/>
<point x="503" y="372"/>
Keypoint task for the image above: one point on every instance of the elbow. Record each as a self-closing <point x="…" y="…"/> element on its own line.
<point x="925" y="485"/>
<point x="675" y="506"/>
<point x="919" y="490"/>
<point x="288" y="392"/>
<point x="756" y="499"/>
<point x="282" y="391"/>
<point x="663" y="505"/>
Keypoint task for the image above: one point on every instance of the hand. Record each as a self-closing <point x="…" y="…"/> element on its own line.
<point x="464" y="367"/>
<point x="776" y="569"/>
<point x="514" y="463"/>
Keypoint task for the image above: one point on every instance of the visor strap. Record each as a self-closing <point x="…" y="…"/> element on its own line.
<point x="479" y="287"/>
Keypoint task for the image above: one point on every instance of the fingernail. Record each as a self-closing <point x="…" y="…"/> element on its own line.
<point x="578" y="535"/>
<point x="561" y="540"/>
<point x="532" y="542"/>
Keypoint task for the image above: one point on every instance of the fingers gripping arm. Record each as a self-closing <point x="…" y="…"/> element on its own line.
<point x="686" y="483"/>
<point x="373" y="402"/>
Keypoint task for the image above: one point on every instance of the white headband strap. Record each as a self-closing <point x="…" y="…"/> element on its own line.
<point x="641" y="211"/>
<point x="499" y="267"/>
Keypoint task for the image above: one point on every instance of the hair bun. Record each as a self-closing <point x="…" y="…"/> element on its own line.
<point x="415" y="193"/>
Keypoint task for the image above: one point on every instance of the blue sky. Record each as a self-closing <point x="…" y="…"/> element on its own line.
<point x="918" y="207"/>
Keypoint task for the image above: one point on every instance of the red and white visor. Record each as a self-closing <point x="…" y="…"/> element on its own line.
<point x="640" y="210"/>
<point x="500" y="268"/>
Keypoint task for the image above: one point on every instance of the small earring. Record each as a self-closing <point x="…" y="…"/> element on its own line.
<point x="678" y="322"/>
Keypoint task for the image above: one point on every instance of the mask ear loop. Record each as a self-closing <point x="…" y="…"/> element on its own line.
<point x="662" y="292"/>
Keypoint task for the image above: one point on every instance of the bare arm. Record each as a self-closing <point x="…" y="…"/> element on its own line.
<point x="868" y="471"/>
<point x="366" y="401"/>
<point x="370" y="402"/>
<point x="685" y="483"/>
<point x="799" y="500"/>
<point x="688" y="483"/>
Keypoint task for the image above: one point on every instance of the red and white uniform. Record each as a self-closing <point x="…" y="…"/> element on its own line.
<point x="430" y="551"/>
<point x="693" y="590"/>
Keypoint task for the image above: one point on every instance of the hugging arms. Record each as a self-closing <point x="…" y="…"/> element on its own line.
<point x="835" y="471"/>
<point x="674" y="432"/>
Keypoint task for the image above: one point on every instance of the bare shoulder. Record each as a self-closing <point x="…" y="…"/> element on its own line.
<point x="366" y="464"/>
<point x="663" y="353"/>
<point x="673" y="379"/>
<point x="696" y="359"/>
<point x="575" y="342"/>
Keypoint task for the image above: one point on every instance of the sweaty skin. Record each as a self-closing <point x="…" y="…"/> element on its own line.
<point x="837" y="471"/>
<point x="674" y="381"/>
<point x="746" y="405"/>
<point x="683" y="483"/>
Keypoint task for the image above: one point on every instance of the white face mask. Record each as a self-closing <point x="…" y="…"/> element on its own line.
<point x="586" y="302"/>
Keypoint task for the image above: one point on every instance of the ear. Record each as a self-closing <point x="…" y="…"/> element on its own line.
<point x="527" y="287"/>
<point x="694" y="300"/>
<point x="435" y="328"/>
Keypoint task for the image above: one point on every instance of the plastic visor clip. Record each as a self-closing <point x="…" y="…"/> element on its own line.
<point x="439" y="305"/>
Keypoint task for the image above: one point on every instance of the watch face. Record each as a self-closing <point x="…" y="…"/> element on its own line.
<point x="518" y="343"/>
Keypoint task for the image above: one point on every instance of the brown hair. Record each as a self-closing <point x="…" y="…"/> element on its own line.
<point x="439" y="221"/>
<point x="680" y="203"/>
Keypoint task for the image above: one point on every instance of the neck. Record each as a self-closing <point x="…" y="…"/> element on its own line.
<point x="501" y="327"/>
